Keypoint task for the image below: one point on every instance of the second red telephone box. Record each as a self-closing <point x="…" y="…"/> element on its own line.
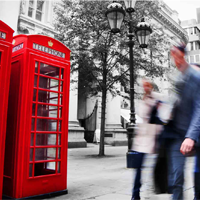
<point x="6" y="36"/>
<point x="37" y="124"/>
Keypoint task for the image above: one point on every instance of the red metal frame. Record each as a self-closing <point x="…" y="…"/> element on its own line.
<point x="6" y="35"/>
<point x="39" y="152"/>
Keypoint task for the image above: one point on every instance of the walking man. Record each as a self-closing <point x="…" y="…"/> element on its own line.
<point x="183" y="131"/>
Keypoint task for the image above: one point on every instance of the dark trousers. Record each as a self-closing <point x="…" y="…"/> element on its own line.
<point x="197" y="174"/>
<point x="137" y="181"/>
<point x="161" y="172"/>
<point x="176" y="162"/>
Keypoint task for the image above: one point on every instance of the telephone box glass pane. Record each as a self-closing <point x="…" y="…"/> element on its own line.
<point x="45" y="154"/>
<point x="30" y="169"/>
<point x="47" y="97"/>
<point x="33" y="109"/>
<point x="59" y="150"/>
<point x="31" y="154"/>
<point x="61" y="86"/>
<point x="34" y="94"/>
<point x="60" y="126"/>
<point x="59" y="139"/>
<point x="45" y="139"/>
<point x="35" y="80"/>
<point x="60" y="112"/>
<point x="36" y="67"/>
<point x="46" y="125"/>
<point x="49" y="70"/>
<point x="48" y="83"/>
<point x="58" y="167"/>
<point x="62" y="73"/>
<point x="53" y="111"/>
<point x="53" y="98"/>
<point x="61" y="99"/>
<point x="44" y="168"/>
<point x="32" y="139"/>
<point x="51" y="165"/>
<point x="47" y="111"/>
<point x="32" y="124"/>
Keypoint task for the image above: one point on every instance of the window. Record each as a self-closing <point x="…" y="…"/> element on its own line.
<point x="40" y="4"/>
<point x="35" y="9"/>
<point x="197" y="58"/>
<point x="188" y="46"/>
<point x="191" y="45"/>
<point x="46" y="125"/>
<point x="197" y="45"/>
<point x="191" y="31"/>
<point x="195" y="30"/>
<point x="191" y="59"/>
<point x="31" y="8"/>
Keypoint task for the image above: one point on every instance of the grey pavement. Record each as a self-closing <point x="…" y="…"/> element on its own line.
<point x="107" y="178"/>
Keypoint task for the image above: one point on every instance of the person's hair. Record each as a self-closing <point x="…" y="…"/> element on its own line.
<point x="150" y="83"/>
<point x="182" y="48"/>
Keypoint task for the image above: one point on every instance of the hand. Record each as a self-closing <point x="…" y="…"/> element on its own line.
<point x="187" y="146"/>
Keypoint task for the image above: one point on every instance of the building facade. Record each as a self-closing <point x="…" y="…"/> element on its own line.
<point x="192" y="27"/>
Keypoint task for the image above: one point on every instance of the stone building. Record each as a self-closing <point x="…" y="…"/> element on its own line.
<point x="192" y="27"/>
<point x="36" y="17"/>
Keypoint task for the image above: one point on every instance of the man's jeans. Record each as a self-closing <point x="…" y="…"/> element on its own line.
<point x="176" y="162"/>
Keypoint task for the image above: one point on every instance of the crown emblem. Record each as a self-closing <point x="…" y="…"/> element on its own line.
<point x="50" y="43"/>
<point x="13" y="42"/>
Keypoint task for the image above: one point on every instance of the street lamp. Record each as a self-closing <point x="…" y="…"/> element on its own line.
<point x="115" y="14"/>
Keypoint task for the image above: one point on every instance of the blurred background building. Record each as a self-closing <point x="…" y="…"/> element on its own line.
<point x="192" y="26"/>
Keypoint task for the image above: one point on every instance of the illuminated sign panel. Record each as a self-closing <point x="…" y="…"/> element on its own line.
<point x="48" y="50"/>
<point x="18" y="47"/>
<point x="2" y="35"/>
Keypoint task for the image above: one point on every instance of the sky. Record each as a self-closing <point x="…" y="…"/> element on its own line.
<point x="185" y="8"/>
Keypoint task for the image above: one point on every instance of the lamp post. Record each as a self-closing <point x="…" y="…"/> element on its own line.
<point x="115" y="14"/>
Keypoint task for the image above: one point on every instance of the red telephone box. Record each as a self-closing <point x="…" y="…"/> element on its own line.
<point x="37" y="124"/>
<point x="6" y="36"/>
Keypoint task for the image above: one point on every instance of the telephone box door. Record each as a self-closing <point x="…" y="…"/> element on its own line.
<point x="47" y="148"/>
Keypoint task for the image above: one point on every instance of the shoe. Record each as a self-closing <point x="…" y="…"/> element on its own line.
<point x="135" y="198"/>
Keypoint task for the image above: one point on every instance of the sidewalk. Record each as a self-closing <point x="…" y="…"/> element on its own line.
<point x="90" y="177"/>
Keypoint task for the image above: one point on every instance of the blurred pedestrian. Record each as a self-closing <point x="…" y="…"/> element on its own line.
<point x="183" y="130"/>
<point x="145" y="143"/>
